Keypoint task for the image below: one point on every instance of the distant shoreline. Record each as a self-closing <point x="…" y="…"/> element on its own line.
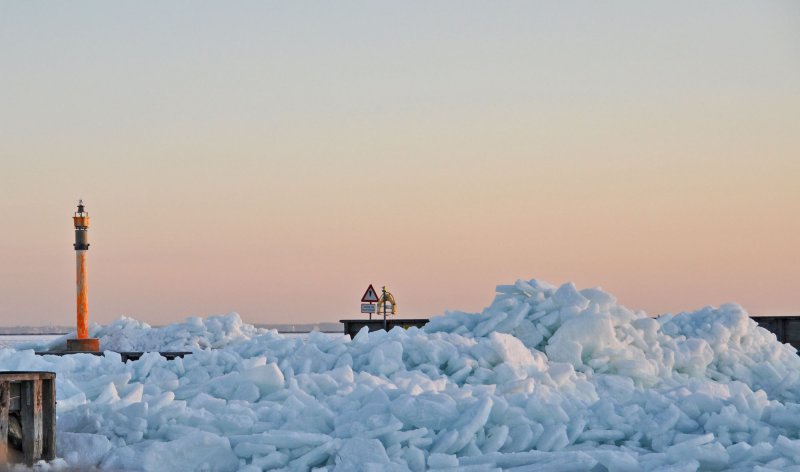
<point x="281" y="328"/>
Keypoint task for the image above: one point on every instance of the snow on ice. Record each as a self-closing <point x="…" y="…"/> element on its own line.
<point x="556" y="379"/>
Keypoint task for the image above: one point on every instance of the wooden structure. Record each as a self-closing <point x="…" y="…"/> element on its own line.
<point x="31" y="396"/>
<point x="352" y="327"/>
<point x="125" y="355"/>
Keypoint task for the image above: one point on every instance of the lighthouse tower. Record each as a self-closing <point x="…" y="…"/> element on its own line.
<point x="82" y="342"/>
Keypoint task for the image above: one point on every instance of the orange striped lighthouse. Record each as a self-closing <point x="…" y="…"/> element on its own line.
<point x="82" y="342"/>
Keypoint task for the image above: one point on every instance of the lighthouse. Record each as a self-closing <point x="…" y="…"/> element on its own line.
<point x="82" y="341"/>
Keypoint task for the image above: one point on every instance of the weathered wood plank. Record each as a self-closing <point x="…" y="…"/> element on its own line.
<point x="49" y="419"/>
<point x="31" y="416"/>
<point x="5" y="402"/>
<point x="18" y="376"/>
<point x="14" y="397"/>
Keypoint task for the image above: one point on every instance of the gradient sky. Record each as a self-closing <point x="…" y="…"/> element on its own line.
<point x="275" y="158"/>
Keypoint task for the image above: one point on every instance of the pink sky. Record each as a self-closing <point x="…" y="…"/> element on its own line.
<point x="274" y="161"/>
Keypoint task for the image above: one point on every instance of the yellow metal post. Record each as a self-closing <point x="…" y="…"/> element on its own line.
<point x="386" y="297"/>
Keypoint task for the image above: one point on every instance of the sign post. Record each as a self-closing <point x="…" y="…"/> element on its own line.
<point x="370" y="297"/>
<point x="368" y="308"/>
<point x="386" y="298"/>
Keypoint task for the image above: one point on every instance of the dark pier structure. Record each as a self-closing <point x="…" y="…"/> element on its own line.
<point x="786" y="328"/>
<point x="125" y="356"/>
<point x="352" y="327"/>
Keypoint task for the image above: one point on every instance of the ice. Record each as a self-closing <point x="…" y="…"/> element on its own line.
<point x="440" y="461"/>
<point x="84" y="450"/>
<point x="198" y="451"/>
<point x="545" y="377"/>
<point x="790" y="447"/>
<point x="268" y="378"/>
<point x="425" y="410"/>
<point x="357" y="453"/>
<point x="128" y="334"/>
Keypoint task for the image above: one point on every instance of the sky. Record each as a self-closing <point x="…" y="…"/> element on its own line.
<point x="275" y="158"/>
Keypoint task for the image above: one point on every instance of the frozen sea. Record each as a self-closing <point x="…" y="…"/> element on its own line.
<point x="14" y="340"/>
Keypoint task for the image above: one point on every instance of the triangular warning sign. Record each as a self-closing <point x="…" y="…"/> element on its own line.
<point x="370" y="295"/>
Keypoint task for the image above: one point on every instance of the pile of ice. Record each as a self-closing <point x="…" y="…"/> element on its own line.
<point x="544" y="378"/>
<point x="128" y="334"/>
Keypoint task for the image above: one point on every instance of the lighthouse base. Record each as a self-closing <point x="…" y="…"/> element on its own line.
<point x="83" y="345"/>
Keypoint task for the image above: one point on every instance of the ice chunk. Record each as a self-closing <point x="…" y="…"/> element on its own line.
<point x="268" y="378"/>
<point x="82" y="450"/>
<point x="441" y="461"/>
<point x="427" y="410"/>
<point x="568" y="295"/>
<point x="362" y="452"/>
<point x="197" y="450"/>
<point x="512" y="351"/>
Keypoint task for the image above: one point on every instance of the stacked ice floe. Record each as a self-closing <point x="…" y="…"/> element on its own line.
<point x="544" y="378"/>
<point x="128" y="334"/>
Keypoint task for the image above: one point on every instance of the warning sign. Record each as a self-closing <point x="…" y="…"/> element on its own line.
<point x="370" y="296"/>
